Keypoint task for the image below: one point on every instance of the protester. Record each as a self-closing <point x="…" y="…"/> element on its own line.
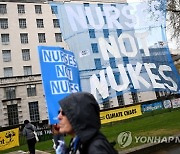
<point x="56" y="135"/>
<point x="30" y="137"/>
<point x="79" y="117"/>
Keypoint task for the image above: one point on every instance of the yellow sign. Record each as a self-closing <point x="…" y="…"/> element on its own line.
<point x="9" y="139"/>
<point x="120" y="114"/>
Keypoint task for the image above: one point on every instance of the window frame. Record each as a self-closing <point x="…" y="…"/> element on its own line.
<point x="22" y="23"/>
<point x="4" y="23"/>
<point x="27" y="70"/>
<point x="24" y="38"/>
<point x="56" y="23"/>
<point x="42" y="37"/>
<point x="38" y="9"/>
<point x="6" y="54"/>
<point x="10" y="92"/>
<point x="21" y="8"/>
<point x="58" y="37"/>
<point x="94" y="47"/>
<point x="26" y="54"/>
<point x="40" y="23"/>
<point x="97" y="62"/>
<point x="13" y="116"/>
<point x="31" y="90"/>
<point x="54" y="9"/>
<point x="3" y="8"/>
<point x="34" y="111"/>
<point x="5" y="39"/>
<point x="8" y="71"/>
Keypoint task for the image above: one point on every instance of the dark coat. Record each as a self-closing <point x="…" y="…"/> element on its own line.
<point x="82" y="110"/>
<point x="28" y="131"/>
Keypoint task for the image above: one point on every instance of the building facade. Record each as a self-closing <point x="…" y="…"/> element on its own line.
<point x="24" y="26"/>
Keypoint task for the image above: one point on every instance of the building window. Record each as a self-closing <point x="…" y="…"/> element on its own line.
<point x="105" y="21"/>
<point x="112" y="62"/>
<point x="22" y="23"/>
<point x="24" y="38"/>
<point x="157" y="94"/>
<point x="8" y="72"/>
<point x="101" y="6"/>
<point x="42" y="38"/>
<point x="6" y="55"/>
<point x="116" y="76"/>
<point x="34" y="111"/>
<point x="39" y="23"/>
<point x="106" y="33"/>
<point x="27" y="70"/>
<point x="38" y="9"/>
<point x="106" y="103"/>
<point x="21" y="9"/>
<point x="12" y="111"/>
<point x="31" y="90"/>
<point x="10" y="92"/>
<point x="113" y="5"/>
<point x="3" y="9"/>
<point x="54" y="10"/>
<point x="56" y="23"/>
<point x="98" y="63"/>
<point x="125" y="60"/>
<point x="86" y="4"/>
<point x="134" y="97"/>
<point x="5" y="39"/>
<point x="25" y="54"/>
<point x="58" y="37"/>
<point x="92" y="33"/>
<point x="120" y="99"/>
<point x="119" y="31"/>
<point x="94" y="47"/>
<point x="4" y="23"/>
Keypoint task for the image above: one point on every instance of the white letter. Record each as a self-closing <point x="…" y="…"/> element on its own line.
<point x="112" y="15"/>
<point x="134" y="74"/>
<point x="152" y="76"/>
<point x="91" y="20"/>
<point x="131" y="41"/>
<point x="143" y="39"/>
<point x="137" y="138"/>
<point x="126" y="12"/>
<point x="101" y="85"/>
<point x="167" y="68"/>
<point x="112" y="81"/>
<point x="105" y="46"/>
<point x="78" y="16"/>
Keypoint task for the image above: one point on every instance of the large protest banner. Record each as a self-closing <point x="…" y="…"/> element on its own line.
<point x="60" y="76"/>
<point x="119" y="46"/>
<point x="9" y="138"/>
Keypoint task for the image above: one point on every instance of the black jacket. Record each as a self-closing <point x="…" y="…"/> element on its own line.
<point x="82" y="110"/>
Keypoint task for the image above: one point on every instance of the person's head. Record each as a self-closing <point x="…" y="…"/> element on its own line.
<point x="26" y="122"/>
<point x="65" y="127"/>
<point x="79" y="115"/>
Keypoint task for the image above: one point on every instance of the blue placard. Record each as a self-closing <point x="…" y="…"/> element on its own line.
<point x="60" y="76"/>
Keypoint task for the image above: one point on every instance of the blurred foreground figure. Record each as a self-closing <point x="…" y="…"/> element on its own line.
<point x="79" y="117"/>
<point x="56" y="135"/>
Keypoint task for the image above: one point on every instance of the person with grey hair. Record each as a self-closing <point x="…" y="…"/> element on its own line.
<point x="80" y="117"/>
<point x="28" y="132"/>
